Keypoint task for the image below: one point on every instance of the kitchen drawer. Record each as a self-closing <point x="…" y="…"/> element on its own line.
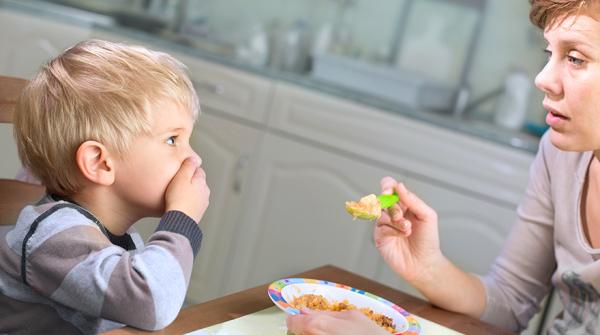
<point x="230" y="91"/>
<point x="446" y="158"/>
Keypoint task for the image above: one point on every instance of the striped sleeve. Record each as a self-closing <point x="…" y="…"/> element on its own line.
<point x="77" y="266"/>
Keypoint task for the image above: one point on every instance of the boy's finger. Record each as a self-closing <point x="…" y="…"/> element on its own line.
<point x="199" y="173"/>
<point x="188" y="168"/>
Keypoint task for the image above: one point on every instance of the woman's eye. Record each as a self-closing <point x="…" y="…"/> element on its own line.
<point x="171" y="140"/>
<point x="574" y="60"/>
<point x="548" y="54"/>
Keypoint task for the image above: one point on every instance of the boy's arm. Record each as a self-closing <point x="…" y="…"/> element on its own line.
<point x="78" y="267"/>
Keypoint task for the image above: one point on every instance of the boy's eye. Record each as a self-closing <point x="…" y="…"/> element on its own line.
<point x="171" y="140"/>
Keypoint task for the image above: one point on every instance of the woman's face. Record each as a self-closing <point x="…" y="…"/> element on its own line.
<point x="571" y="83"/>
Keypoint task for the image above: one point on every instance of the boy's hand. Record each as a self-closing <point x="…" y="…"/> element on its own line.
<point x="188" y="191"/>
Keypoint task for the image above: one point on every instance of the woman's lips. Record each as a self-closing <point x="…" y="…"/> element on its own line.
<point x="554" y="118"/>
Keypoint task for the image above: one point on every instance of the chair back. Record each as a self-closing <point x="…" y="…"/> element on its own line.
<point x="10" y="89"/>
<point x="14" y="194"/>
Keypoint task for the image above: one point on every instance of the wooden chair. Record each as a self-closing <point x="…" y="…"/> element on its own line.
<point x="14" y="194"/>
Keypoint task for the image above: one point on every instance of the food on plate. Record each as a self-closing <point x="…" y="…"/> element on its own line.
<point x="367" y="208"/>
<point x="319" y="303"/>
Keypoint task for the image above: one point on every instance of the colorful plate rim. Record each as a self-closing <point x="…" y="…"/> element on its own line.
<point x="275" y="293"/>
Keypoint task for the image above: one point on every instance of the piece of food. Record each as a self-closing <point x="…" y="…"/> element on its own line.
<point x="319" y="303"/>
<point x="367" y="208"/>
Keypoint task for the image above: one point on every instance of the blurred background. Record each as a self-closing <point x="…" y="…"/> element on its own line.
<point x="308" y="103"/>
<point x="470" y="58"/>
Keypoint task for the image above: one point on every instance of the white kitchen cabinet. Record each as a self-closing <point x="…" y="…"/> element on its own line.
<point x="228" y="157"/>
<point x="28" y="41"/>
<point x="461" y="162"/>
<point x="229" y="91"/>
<point x="295" y="219"/>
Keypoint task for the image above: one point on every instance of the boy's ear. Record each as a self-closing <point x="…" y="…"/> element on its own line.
<point x="95" y="163"/>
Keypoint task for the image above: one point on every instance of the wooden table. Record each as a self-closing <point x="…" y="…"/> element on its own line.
<point x="256" y="299"/>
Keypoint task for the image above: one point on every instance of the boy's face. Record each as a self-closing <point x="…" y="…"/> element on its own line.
<point x="571" y="83"/>
<point x="153" y="160"/>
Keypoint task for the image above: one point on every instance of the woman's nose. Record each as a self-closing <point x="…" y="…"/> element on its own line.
<point x="548" y="80"/>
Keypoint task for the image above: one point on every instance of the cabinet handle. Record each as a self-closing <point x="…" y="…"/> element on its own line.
<point x="240" y="166"/>
<point x="218" y="89"/>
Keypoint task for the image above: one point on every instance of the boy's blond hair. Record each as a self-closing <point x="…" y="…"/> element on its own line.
<point x="95" y="90"/>
<point x="547" y="13"/>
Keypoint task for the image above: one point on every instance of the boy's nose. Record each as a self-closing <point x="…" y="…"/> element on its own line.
<point x="196" y="156"/>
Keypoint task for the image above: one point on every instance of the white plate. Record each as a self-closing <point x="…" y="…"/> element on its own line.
<point x="282" y="292"/>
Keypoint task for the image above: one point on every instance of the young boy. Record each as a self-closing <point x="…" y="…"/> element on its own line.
<point x="106" y="129"/>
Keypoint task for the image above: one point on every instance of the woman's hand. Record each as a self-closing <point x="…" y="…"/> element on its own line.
<point x="406" y="234"/>
<point x="333" y="323"/>
<point x="188" y="191"/>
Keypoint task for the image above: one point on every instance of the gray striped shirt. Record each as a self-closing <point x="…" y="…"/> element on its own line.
<point x="62" y="272"/>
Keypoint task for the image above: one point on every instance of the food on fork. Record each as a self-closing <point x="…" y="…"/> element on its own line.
<point x="319" y="303"/>
<point x="367" y="208"/>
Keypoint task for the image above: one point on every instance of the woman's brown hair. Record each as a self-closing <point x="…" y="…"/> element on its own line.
<point x="547" y="13"/>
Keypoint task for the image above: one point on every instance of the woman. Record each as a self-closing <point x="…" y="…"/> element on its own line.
<point x="556" y="239"/>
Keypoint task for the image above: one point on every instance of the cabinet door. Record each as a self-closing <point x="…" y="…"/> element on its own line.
<point x="420" y="149"/>
<point x="29" y="41"/>
<point x="295" y="219"/>
<point x="227" y="151"/>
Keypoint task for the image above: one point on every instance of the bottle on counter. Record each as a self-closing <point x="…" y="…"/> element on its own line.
<point x="511" y="109"/>
<point x="255" y="50"/>
<point x="291" y="48"/>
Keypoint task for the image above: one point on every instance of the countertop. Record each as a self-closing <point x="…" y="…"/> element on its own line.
<point x="482" y="129"/>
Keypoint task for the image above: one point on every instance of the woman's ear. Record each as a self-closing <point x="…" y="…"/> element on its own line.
<point x="95" y="163"/>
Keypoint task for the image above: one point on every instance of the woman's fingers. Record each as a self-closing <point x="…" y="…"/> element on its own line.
<point x="396" y="213"/>
<point x="401" y="225"/>
<point x="314" y="324"/>
<point x="414" y="204"/>
<point x="388" y="184"/>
